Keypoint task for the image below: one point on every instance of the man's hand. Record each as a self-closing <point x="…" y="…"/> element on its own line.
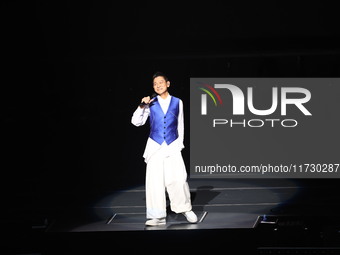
<point x="146" y="100"/>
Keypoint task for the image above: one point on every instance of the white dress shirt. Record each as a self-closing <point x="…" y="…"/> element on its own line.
<point x="140" y="117"/>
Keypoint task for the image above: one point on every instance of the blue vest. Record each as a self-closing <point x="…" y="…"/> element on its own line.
<point x="163" y="127"/>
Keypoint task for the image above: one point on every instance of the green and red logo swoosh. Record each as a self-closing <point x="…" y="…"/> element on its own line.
<point x="212" y="93"/>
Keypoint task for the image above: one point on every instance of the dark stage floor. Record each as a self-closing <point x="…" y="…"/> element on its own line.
<point x="273" y="216"/>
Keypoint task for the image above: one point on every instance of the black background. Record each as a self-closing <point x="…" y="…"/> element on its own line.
<point x="74" y="72"/>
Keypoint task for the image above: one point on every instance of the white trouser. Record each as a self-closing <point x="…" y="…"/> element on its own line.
<point x="166" y="174"/>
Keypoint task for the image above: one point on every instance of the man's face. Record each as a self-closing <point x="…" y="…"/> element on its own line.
<point x="160" y="85"/>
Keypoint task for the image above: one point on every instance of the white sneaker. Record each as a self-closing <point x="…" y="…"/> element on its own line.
<point x="155" y="222"/>
<point x="191" y="216"/>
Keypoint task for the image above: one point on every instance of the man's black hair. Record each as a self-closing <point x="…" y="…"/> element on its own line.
<point x="160" y="74"/>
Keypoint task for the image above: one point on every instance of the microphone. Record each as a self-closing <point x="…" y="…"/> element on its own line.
<point x="151" y="97"/>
